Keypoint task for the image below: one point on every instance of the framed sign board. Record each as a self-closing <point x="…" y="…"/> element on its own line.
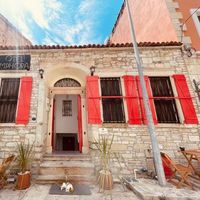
<point x="15" y="62"/>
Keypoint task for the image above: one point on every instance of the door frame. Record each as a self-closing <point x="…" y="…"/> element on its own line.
<point x="66" y="91"/>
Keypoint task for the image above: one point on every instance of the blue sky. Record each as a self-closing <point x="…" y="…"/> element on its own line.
<point x="64" y="22"/>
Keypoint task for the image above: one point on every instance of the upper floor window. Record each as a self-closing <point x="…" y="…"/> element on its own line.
<point x="196" y="17"/>
<point x="9" y="89"/>
<point x="164" y="101"/>
<point x="112" y="101"/>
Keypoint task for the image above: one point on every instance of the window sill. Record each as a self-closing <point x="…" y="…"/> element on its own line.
<point x="115" y="125"/>
<point x="180" y="125"/>
<point x="11" y="125"/>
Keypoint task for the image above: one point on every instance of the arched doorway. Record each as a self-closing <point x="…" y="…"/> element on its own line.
<point x="67" y="116"/>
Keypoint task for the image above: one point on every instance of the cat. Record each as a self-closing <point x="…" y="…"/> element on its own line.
<point x="68" y="187"/>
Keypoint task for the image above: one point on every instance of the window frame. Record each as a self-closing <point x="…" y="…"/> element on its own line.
<point x="121" y="88"/>
<point x="174" y="97"/>
<point x="67" y="110"/>
<point x="196" y="19"/>
<point x="16" y="110"/>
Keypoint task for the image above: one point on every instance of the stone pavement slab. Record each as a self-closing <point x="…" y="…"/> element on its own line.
<point x="41" y="192"/>
<point x="148" y="189"/>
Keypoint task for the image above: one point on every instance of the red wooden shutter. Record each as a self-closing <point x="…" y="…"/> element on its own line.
<point x="80" y="130"/>
<point x="132" y="100"/>
<point x="24" y="98"/>
<point x="93" y="100"/>
<point x="150" y="100"/>
<point x="185" y="99"/>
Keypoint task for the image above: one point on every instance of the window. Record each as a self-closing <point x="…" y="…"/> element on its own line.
<point x="67" y="108"/>
<point x="112" y="101"/>
<point x="164" y="100"/>
<point x="9" y="89"/>
<point x="196" y="17"/>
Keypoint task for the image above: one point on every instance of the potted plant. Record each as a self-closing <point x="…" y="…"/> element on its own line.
<point x="103" y="145"/>
<point x="24" y="158"/>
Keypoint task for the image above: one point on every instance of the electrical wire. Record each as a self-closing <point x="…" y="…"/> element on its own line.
<point x="186" y="22"/>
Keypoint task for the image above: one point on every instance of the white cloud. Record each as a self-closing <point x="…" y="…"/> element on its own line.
<point x="86" y="5"/>
<point x="82" y="31"/>
<point x="48" y="41"/>
<point x="61" y="23"/>
<point x="42" y="12"/>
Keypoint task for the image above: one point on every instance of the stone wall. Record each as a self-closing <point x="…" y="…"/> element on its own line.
<point x="131" y="141"/>
<point x="11" y="134"/>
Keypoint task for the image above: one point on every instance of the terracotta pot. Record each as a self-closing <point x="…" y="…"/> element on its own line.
<point x="23" y="181"/>
<point x="105" y="180"/>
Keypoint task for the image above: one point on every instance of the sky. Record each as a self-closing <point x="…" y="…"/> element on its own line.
<point x="63" y="22"/>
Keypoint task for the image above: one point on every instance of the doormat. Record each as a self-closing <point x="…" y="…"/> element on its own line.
<point x="79" y="189"/>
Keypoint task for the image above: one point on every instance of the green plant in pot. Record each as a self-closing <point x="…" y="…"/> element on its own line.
<point x="24" y="159"/>
<point x="103" y="145"/>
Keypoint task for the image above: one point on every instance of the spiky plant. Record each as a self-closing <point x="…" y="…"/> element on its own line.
<point x="25" y="156"/>
<point x="162" y="197"/>
<point x="103" y="145"/>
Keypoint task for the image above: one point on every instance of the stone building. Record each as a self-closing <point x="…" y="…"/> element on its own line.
<point x="164" y="21"/>
<point x="9" y="35"/>
<point x="59" y="106"/>
<point x="49" y="95"/>
<point x="160" y="21"/>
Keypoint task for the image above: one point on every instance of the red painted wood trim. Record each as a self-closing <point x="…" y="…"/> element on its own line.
<point x="93" y="103"/>
<point x="132" y="100"/>
<point x="185" y="99"/>
<point x="53" y="123"/>
<point x="23" y="109"/>
<point x="80" y="131"/>
<point x="150" y="95"/>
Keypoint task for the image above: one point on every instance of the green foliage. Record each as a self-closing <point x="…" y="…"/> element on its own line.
<point x="24" y="156"/>
<point x="103" y="145"/>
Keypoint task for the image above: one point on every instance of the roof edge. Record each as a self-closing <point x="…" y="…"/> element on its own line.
<point x="117" y="20"/>
<point x="140" y="44"/>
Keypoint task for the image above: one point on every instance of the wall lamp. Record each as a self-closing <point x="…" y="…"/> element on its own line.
<point x="92" y="70"/>
<point x="41" y="72"/>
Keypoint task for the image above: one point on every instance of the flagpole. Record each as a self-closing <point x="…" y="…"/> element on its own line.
<point x="156" y="151"/>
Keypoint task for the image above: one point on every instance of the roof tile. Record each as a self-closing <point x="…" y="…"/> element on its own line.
<point x="140" y="44"/>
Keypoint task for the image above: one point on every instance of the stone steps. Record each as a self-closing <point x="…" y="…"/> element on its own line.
<point x="54" y="168"/>
<point x="48" y="179"/>
<point x="49" y="157"/>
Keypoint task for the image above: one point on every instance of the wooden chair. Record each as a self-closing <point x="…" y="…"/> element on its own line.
<point x="180" y="172"/>
<point x="3" y="168"/>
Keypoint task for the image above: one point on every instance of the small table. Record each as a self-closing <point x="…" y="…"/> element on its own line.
<point x="191" y="155"/>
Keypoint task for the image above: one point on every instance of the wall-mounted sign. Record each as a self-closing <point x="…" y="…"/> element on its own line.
<point x="15" y="62"/>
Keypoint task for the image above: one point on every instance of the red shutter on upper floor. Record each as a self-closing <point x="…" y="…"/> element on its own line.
<point x="132" y="100"/>
<point x="24" y="99"/>
<point x="185" y="99"/>
<point x="93" y="100"/>
<point x="149" y="92"/>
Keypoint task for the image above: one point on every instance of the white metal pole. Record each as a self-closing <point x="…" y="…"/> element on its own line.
<point x="151" y="128"/>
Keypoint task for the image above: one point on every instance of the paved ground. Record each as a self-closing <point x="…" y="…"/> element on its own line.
<point x="41" y="192"/>
<point x="149" y="189"/>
